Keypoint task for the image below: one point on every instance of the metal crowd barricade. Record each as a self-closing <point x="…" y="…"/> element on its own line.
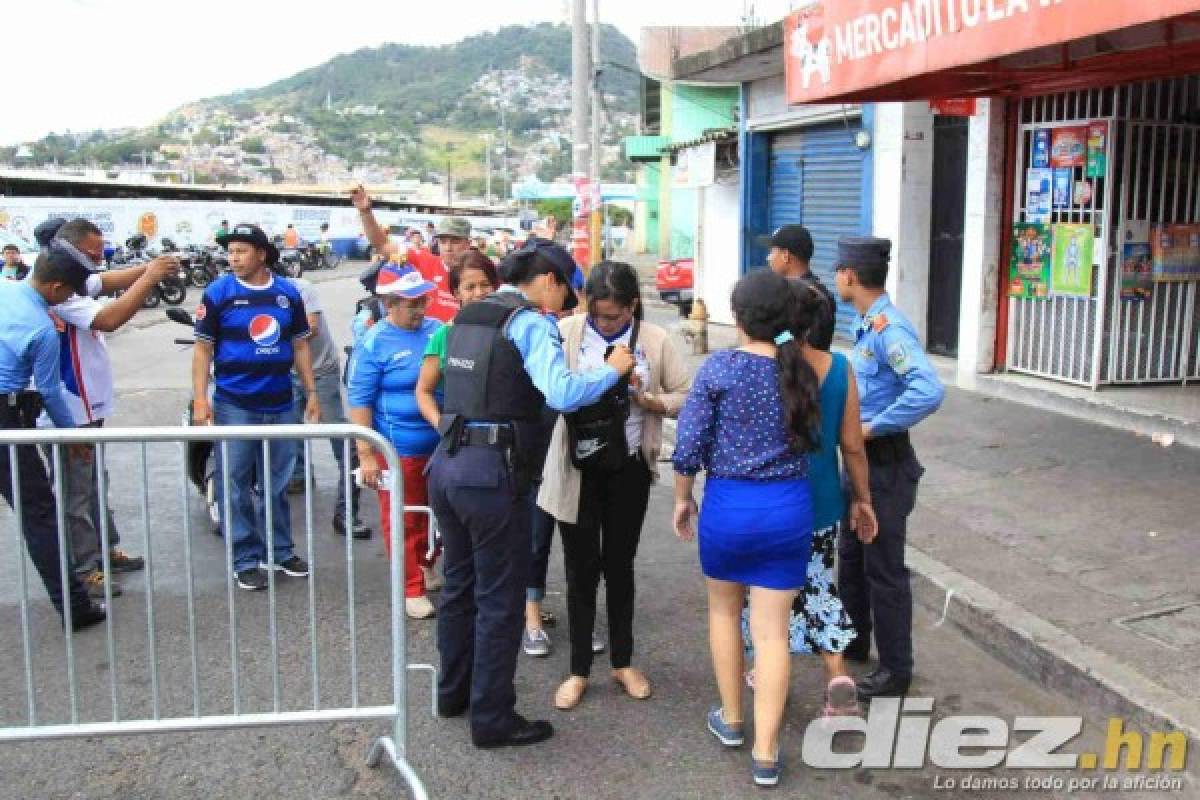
<point x="393" y="745"/>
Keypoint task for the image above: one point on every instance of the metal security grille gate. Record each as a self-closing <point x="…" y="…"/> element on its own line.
<point x="1152" y="178"/>
<point x="816" y="181"/>
<point x="189" y="652"/>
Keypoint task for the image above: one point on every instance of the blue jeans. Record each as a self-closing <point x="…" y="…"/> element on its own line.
<point x="247" y="523"/>
<point x="329" y="395"/>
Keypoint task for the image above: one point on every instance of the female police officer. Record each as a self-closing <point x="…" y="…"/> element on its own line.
<point x="504" y="361"/>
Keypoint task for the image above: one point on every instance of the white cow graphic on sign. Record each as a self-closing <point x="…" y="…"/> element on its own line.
<point x="814" y="58"/>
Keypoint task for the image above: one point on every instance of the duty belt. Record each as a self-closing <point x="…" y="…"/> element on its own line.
<point x="479" y="434"/>
<point x="889" y="449"/>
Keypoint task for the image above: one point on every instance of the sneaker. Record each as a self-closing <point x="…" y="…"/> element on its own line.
<point x="358" y="528"/>
<point x="765" y="773"/>
<point x="597" y="643"/>
<point x="94" y="583"/>
<point x="295" y="486"/>
<point x="252" y="580"/>
<point x="295" y="566"/>
<point x="535" y="643"/>
<point x="419" y="607"/>
<point x="433" y="581"/>
<point x="87" y="616"/>
<point x="120" y="561"/>
<point x="729" y="735"/>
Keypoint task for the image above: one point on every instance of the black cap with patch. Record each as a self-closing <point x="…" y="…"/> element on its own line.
<point x="251" y="235"/>
<point x="794" y="238"/>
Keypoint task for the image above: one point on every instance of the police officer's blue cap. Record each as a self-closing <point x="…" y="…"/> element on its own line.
<point x="863" y="251"/>
<point x="251" y="235"/>
<point x="564" y="266"/>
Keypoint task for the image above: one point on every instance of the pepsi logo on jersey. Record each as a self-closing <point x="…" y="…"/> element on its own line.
<point x="264" y="330"/>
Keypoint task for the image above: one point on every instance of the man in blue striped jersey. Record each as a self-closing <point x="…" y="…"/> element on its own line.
<point x="251" y="329"/>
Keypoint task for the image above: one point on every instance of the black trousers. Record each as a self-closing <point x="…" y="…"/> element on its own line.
<point x="604" y="541"/>
<point x="38" y="512"/>
<point x="485" y="550"/>
<point x="543" y="539"/>
<point x="872" y="578"/>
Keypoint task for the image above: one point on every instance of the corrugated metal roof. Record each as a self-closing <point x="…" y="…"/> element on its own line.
<point x="717" y="135"/>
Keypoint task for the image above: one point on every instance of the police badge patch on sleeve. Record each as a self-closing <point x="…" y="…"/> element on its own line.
<point x="898" y="359"/>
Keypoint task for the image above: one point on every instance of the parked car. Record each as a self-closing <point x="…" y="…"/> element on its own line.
<point x="675" y="283"/>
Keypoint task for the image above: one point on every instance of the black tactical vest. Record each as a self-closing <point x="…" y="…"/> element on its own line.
<point x="485" y="375"/>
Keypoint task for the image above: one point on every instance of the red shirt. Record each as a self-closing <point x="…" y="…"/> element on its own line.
<point x="443" y="305"/>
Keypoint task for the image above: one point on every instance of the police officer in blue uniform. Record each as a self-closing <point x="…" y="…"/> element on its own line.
<point x="898" y="388"/>
<point x="29" y="349"/>
<point x="504" y="363"/>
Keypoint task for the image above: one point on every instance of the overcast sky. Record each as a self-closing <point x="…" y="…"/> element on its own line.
<point x="86" y="64"/>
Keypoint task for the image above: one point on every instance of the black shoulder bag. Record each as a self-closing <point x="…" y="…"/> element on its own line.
<point x="596" y="433"/>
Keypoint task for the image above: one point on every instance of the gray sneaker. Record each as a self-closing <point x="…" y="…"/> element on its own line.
<point x="535" y="643"/>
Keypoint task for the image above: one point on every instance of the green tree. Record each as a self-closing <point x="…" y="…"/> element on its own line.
<point x="253" y="144"/>
<point x="559" y="208"/>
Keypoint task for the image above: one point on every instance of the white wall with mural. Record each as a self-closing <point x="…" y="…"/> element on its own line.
<point x="193" y="221"/>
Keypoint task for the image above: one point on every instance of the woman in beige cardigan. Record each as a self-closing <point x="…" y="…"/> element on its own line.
<point x="600" y="511"/>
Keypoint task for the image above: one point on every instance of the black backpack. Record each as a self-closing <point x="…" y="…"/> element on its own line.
<point x="596" y="433"/>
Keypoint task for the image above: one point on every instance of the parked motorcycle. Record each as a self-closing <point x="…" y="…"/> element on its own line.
<point x="291" y="262"/>
<point x="201" y="456"/>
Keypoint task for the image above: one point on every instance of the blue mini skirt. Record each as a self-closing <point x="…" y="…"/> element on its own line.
<point x="757" y="533"/>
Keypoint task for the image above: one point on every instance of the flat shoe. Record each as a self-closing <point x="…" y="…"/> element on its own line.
<point x="633" y="682"/>
<point x="570" y="693"/>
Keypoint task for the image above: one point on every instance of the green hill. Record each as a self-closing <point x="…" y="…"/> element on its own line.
<point x="382" y="105"/>
<point x="428" y="82"/>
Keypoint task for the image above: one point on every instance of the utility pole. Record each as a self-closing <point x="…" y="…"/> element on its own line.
<point x="449" y="174"/>
<point x="505" y="180"/>
<point x="580" y="79"/>
<point x="487" y="165"/>
<point x="597" y="220"/>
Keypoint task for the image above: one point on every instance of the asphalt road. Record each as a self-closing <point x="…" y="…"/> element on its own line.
<point x="610" y="747"/>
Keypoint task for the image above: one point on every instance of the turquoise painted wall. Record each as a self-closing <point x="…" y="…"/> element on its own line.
<point x="689" y="111"/>
<point x="695" y="109"/>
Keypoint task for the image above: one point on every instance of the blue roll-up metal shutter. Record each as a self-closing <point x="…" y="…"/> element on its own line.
<point x="816" y="180"/>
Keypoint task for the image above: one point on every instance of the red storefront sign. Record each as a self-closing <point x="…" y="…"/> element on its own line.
<point x="953" y="106"/>
<point x="875" y="49"/>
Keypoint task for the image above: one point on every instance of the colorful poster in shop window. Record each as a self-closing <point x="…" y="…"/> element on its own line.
<point x="1062" y="187"/>
<point x="1137" y="271"/>
<point x="1083" y="193"/>
<point x="1068" y="146"/>
<point x="1039" y="193"/>
<point x="1029" y="268"/>
<point x="1097" y="149"/>
<point x="1041" y="148"/>
<point x="1071" y="270"/>
<point x="1175" y="250"/>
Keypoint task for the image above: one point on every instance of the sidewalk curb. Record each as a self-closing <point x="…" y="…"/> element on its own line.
<point x="1039" y="649"/>
<point x="1045" y="652"/>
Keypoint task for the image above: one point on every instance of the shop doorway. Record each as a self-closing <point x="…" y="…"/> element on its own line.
<point x="946" y="233"/>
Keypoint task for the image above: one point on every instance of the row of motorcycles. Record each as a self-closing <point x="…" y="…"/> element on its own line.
<point x="200" y="265"/>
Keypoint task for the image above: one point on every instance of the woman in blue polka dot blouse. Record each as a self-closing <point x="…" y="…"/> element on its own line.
<point x="751" y="419"/>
